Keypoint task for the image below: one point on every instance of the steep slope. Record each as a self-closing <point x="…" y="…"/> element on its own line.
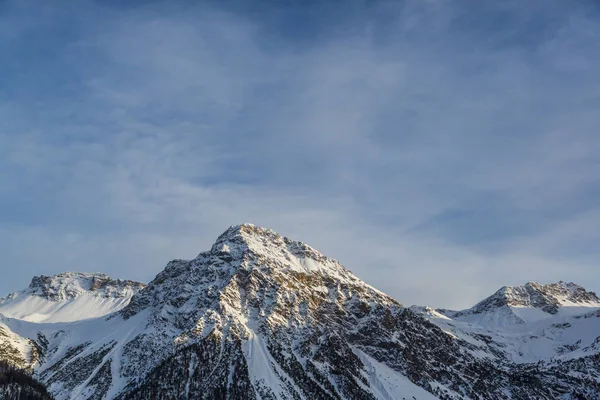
<point x="50" y="299"/>
<point x="532" y="323"/>
<point x="70" y="296"/>
<point x="552" y="331"/>
<point x="280" y="313"/>
<point x="16" y="350"/>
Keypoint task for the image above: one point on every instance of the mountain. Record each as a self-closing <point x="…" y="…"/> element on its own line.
<point x="534" y="322"/>
<point x="66" y="297"/>
<point x="70" y="296"/>
<point x="260" y="316"/>
<point x="532" y="302"/>
<point x="552" y="330"/>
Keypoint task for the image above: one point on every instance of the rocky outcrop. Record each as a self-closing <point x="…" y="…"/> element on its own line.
<point x="69" y="285"/>
<point x="548" y="298"/>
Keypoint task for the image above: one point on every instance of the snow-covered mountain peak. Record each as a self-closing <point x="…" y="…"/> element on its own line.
<point x="239" y="239"/>
<point x="519" y="305"/>
<point x="69" y="296"/>
<point x="254" y="258"/>
<point x="69" y="285"/>
<point x="549" y="298"/>
<point x="565" y="293"/>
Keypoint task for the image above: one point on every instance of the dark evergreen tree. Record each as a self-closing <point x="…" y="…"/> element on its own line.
<point x="17" y="384"/>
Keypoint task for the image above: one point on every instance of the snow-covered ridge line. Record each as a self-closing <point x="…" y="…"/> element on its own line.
<point x="69" y="296"/>
<point x="248" y="237"/>
<point x="547" y="298"/>
<point x="68" y="285"/>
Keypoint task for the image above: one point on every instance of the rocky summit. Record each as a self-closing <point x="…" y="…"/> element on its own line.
<point x="260" y="316"/>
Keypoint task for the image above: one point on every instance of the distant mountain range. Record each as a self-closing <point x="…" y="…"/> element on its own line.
<point x="260" y="316"/>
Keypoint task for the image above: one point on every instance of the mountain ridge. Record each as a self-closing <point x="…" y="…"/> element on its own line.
<point x="548" y="297"/>
<point x="69" y="296"/>
<point x="262" y="316"/>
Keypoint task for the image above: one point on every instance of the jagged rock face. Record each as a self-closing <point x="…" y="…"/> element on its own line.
<point x="15" y="350"/>
<point x="265" y="265"/>
<point x="260" y="316"/>
<point x="215" y="368"/>
<point x="10" y="348"/>
<point x="255" y="285"/>
<point x="69" y="296"/>
<point x="548" y="298"/>
<point x="70" y="285"/>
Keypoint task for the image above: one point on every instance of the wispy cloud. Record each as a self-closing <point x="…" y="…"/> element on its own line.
<point x="439" y="149"/>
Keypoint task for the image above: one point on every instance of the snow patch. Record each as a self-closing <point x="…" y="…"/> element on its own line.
<point x="387" y="384"/>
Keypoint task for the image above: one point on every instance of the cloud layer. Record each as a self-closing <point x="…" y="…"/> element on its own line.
<point x="438" y="149"/>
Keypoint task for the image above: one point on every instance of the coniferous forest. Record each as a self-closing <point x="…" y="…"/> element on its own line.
<point x="17" y="384"/>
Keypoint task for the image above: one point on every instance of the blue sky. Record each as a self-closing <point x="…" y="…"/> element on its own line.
<point x="439" y="149"/>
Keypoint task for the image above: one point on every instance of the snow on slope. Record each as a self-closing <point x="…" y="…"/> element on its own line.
<point x="15" y="349"/>
<point x="262" y="369"/>
<point x="70" y="296"/>
<point x="387" y="384"/>
<point x="514" y="307"/>
<point x="529" y="323"/>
